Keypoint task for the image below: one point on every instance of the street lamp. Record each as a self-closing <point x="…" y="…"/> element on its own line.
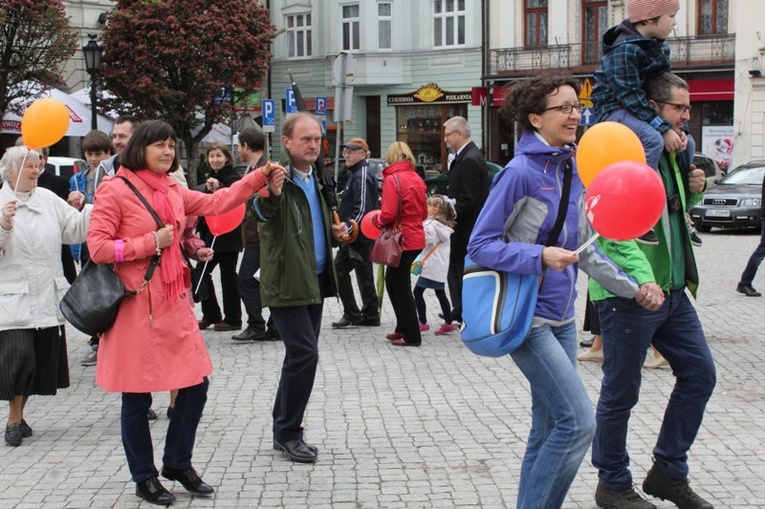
<point x="92" y="52"/>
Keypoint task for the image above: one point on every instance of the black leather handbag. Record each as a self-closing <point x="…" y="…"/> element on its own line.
<point x="92" y="302"/>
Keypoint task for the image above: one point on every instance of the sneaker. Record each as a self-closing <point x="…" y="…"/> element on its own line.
<point x="653" y="362"/>
<point x="424" y="327"/>
<point x="649" y="239"/>
<point x="695" y="239"/>
<point x="90" y="360"/>
<point x="13" y="434"/>
<point x="590" y="356"/>
<point x="445" y="329"/>
<point x="456" y="317"/>
<point x="626" y="498"/>
<point x="677" y="491"/>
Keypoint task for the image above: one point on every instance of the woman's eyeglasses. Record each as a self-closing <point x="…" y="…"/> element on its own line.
<point x="566" y="109"/>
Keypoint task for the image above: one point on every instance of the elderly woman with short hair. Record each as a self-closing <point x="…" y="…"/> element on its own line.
<point x="34" y="222"/>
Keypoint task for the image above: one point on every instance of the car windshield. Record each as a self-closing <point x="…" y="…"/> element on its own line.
<point x="745" y="176"/>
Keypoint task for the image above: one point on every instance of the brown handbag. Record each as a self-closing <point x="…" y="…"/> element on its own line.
<point x="389" y="247"/>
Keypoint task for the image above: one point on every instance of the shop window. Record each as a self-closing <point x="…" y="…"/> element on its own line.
<point x="421" y="127"/>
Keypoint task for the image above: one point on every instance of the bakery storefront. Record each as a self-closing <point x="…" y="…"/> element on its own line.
<point x="420" y="118"/>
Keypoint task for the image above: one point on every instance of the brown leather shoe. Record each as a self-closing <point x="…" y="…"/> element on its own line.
<point x="203" y="324"/>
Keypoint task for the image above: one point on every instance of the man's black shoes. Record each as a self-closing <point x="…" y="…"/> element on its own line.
<point x="297" y="450"/>
<point x="153" y="492"/>
<point x="190" y="480"/>
<point x="677" y="491"/>
<point x="747" y="290"/>
<point x="626" y="498"/>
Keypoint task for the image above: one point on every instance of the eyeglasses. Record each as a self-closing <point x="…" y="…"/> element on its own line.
<point x="566" y="109"/>
<point x="348" y="151"/>
<point x="683" y="108"/>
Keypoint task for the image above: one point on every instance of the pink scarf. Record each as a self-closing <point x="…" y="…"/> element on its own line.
<point x="171" y="265"/>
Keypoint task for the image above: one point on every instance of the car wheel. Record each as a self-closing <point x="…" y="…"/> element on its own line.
<point x="703" y="228"/>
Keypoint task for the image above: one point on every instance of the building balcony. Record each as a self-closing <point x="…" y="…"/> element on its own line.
<point x="686" y="52"/>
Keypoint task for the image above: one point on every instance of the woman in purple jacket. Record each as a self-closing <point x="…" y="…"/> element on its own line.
<point x="511" y="234"/>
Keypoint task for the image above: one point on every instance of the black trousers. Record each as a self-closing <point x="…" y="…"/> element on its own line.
<point x="232" y="307"/>
<point x="181" y="432"/>
<point x="356" y="258"/>
<point x="299" y="327"/>
<point x="249" y="290"/>
<point x="398" y="283"/>
<point x="454" y="277"/>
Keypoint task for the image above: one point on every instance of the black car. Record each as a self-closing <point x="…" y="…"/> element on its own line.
<point x="735" y="202"/>
<point x="439" y="184"/>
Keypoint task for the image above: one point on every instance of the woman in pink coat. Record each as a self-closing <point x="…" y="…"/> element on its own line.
<point x="155" y="344"/>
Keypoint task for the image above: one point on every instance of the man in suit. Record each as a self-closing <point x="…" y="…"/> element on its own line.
<point x="468" y="186"/>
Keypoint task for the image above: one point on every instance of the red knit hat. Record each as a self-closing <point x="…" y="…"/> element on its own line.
<point x="640" y="10"/>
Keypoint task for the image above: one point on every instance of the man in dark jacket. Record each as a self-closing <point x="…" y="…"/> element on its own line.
<point x="297" y="273"/>
<point x="468" y="186"/>
<point x="359" y="197"/>
<point x="252" y="152"/>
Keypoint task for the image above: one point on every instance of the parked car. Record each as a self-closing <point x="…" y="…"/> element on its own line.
<point x="65" y="166"/>
<point x="733" y="203"/>
<point x="439" y="184"/>
<point x="711" y="168"/>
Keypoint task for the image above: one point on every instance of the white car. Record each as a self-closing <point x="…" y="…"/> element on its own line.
<point x="65" y="166"/>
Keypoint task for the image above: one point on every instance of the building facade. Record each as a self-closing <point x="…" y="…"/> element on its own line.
<point x="415" y="66"/>
<point x="527" y="37"/>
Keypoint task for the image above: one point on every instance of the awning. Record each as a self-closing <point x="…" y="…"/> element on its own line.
<point x="715" y="89"/>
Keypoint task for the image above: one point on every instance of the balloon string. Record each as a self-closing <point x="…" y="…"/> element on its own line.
<point x="202" y="275"/>
<point x="18" y="178"/>
<point x="586" y="244"/>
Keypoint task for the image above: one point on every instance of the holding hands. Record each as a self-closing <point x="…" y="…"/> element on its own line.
<point x="675" y="142"/>
<point x="212" y="184"/>
<point x="276" y="175"/>
<point x="8" y="211"/>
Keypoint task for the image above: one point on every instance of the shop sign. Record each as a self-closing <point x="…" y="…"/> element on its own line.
<point x="429" y="94"/>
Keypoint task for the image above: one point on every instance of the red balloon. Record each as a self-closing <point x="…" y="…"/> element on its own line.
<point x="224" y="223"/>
<point x="625" y="200"/>
<point x="368" y="226"/>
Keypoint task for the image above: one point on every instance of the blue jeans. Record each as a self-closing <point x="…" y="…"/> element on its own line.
<point x="675" y="331"/>
<point x="562" y="420"/>
<point x="652" y="140"/>
<point x="754" y="261"/>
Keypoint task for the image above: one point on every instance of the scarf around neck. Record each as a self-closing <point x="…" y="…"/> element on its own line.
<point x="171" y="265"/>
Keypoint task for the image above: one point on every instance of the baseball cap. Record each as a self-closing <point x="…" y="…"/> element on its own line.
<point x="356" y="144"/>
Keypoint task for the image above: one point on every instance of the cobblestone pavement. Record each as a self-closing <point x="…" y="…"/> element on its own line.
<point x="397" y="427"/>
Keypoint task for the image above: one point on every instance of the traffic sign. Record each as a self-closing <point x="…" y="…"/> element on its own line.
<point x="291" y="102"/>
<point x="321" y="106"/>
<point x="269" y="115"/>
<point x="588" y="117"/>
<point x="585" y="93"/>
<point x="343" y="69"/>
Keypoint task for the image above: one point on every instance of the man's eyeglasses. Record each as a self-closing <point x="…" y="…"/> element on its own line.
<point x="683" y="108"/>
<point x="566" y="109"/>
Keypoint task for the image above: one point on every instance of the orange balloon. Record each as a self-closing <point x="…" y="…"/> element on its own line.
<point x="44" y="123"/>
<point x="604" y="144"/>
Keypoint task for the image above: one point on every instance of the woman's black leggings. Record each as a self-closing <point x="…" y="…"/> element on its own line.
<point x="419" y="301"/>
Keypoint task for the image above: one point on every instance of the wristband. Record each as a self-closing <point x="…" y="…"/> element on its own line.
<point x="119" y="250"/>
<point x="156" y="241"/>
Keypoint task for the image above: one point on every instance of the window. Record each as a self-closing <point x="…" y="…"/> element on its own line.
<point x="713" y="17"/>
<point x="535" y="15"/>
<point x="351" y="27"/>
<point x="448" y="23"/>
<point x="384" y="19"/>
<point x="595" y="24"/>
<point x="299" y="36"/>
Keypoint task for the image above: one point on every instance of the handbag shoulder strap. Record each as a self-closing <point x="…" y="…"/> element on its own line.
<point x="563" y="206"/>
<point x="431" y="251"/>
<point x="400" y="217"/>
<point x="154" y="261"/>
